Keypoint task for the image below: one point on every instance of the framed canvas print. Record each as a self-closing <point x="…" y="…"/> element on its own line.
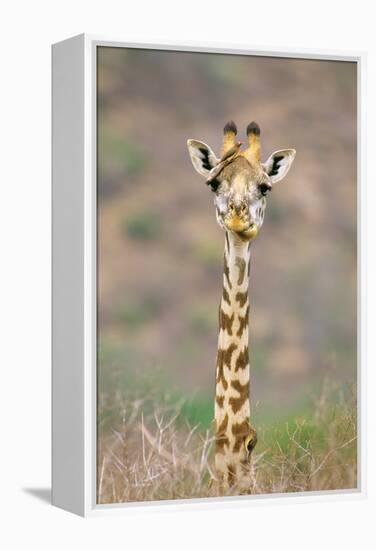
<point x="206" y="275"/>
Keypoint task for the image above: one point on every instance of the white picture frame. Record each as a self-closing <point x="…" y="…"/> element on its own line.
<point x="74" y="276"/>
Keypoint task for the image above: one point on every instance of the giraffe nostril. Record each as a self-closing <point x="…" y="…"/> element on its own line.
<point x="239" y="209"/>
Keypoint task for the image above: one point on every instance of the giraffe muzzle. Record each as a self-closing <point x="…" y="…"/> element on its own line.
<point x="235" y="223"/>
<point x="245" y="230"/>
<point x="249" y="233"/>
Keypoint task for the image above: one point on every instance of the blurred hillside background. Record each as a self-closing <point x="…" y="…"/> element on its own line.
<point x="160" y="249"/>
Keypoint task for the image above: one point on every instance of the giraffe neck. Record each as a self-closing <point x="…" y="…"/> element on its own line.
<point x="232" y="404"/>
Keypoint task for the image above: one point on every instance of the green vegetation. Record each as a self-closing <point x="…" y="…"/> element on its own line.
<point x="227" y="73"/>
<point x="198" y="410"/>
<point x="203" y="319"/>
<point x="157" y="451"/>
<point x="208" y="254"/>
<point x="118" y="153"/>
<point x="143" y="226"/>
<point x="258" y="357"/>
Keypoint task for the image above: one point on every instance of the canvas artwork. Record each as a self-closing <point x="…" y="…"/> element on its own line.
<point x="226" y="275"/>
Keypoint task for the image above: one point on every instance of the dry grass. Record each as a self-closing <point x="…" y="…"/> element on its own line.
<point x="159" y="456"/>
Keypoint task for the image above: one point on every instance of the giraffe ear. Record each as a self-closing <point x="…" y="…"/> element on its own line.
<point x="202" y="157"/>
<point x="278" y="164"/>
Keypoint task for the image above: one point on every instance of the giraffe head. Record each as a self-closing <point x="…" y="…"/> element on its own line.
<point x="239" y="180"/>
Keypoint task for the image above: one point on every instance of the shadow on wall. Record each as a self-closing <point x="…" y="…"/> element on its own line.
<point x="41" y="493"/>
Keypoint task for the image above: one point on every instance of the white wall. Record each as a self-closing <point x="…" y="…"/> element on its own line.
<point x="27" y="30"/>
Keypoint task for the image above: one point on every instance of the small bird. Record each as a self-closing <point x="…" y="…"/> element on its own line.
<point x="251" y="441"/>
<point x="226" y="159"/>
<point x="232" y="152"/>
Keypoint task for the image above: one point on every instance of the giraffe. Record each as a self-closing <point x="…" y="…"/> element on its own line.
<point x="240" y="183"/>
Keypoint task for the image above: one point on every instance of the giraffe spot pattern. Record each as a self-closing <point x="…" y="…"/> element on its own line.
<point x="243" y="322"/>
<point x="243" y="390"/>
<point x="221" y="442"/>
<point x="219" y="399"/>
<point x="240" y="430"/>
<point x="241" y="297"/>
<point x="224" y="359"/>
<point x="241" y="264"/>
<point x="242" y="359"/>
<point x="231" y="436"/>
<point x="226" y="296"/>
<point x="226" y="272"/>
<point x="221" y="439"/>
<point x="226" y="322"/>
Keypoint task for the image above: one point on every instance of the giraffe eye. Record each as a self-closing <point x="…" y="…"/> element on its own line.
<point x="264" y="188"/>
<point x="214" y="184"/>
